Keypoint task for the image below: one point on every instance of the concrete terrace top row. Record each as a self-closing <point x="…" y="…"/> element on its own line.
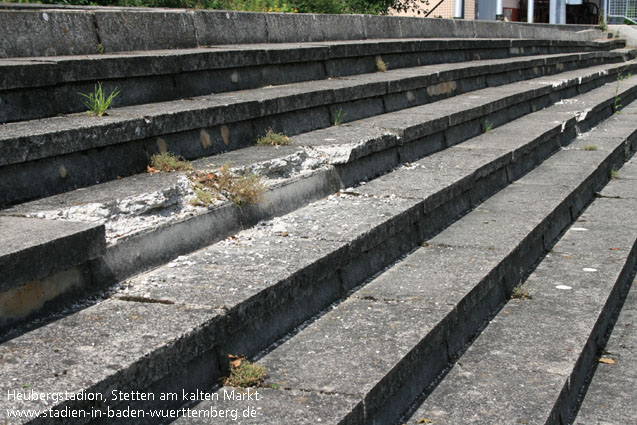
<point x="53" y="31"/>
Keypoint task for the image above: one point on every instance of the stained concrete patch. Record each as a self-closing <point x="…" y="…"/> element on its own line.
<point x="56" y="245"/>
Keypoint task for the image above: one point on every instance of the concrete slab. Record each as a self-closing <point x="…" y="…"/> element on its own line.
<point x="34" y="249"/>
<point x="114" y="345"/>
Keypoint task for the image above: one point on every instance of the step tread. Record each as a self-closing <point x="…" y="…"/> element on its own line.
<point x="56" y="245"/>
<point x="31" y="140"/>
<point x="518" y="367"/>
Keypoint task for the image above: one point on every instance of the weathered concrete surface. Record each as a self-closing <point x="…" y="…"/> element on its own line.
<point x="422" y="310"/>
<point x="46" y="33"/>
<point x="78" y="133"/>
<point x="115" y="345"/>
<point x="610" y="397"/>
<point x="146" y="130"/>
<point x="515" y="373"/>
<point x="119" y="29"/>
<point x="146" y="214"/>
<point x="33" y="248"/>
<point x="157" y="76"/>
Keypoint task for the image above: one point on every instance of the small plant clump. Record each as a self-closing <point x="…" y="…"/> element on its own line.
<point x="167" y="162"/>
<point x="240" y="189"/>
<point x="381" y="66"/>
<point x="521" y="292"/>
<point x="97" y="102"/>
<point x="488" y="126"/>
<point x="244" y="374"/>
<point x="614" y="173"/>
<point x="223" y="184"/>
<point x="273" y="139"/>
<point x="590" y="148"/>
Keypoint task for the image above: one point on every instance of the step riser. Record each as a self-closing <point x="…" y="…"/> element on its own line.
<point x="62" y="97"/>
<point x="370" y="255"/>
<point x="66" y="172"/>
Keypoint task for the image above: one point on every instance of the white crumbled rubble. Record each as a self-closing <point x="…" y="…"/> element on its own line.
<point x="122" y="217"/>
<point x="130" y="215"/>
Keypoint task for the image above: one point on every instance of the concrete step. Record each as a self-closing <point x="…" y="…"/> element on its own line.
<point x="39" y="259"/>
<point x="76" y="151"/>
<point x="46" y="30"/>
<point x="241" y="294"/>
<point x="39" y="87"/>
<point x="365" y="359"/>
<point x="149" y="218"/>
<point x="531" y="363"/>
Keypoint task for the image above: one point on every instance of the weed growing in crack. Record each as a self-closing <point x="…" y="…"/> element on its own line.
<point x="97" y="102"/>
<point x="244" y="374"/>
<point x="240" y="189"/>
<point x="202" y="198"/>
<point x="590" y="148"/>
<point x="381" y="66"/>
<point x="616" y="105"/>
<point x="167" y="162"/>
<point x="273" y="139"/>
<point x="521" y="292"/>
<point x="338" y="116"/>
<point x="488" y="126"/>
<point x="614" y="173"/>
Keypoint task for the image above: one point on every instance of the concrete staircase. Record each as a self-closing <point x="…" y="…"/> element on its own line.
<point x="445" y="241"/>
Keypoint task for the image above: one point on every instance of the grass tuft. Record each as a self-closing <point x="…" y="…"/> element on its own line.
<point x="168" y="162"/>
<point x="590" y="148"/>
<point x="244" y="374"/>
<point x="381" y="66"/>
<point x="488" y="126"/>
<point x="338" y="116"/>
<point x="97" y="102"/>
<point x="273" y="139"/>
<point x="614" y="173"/>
